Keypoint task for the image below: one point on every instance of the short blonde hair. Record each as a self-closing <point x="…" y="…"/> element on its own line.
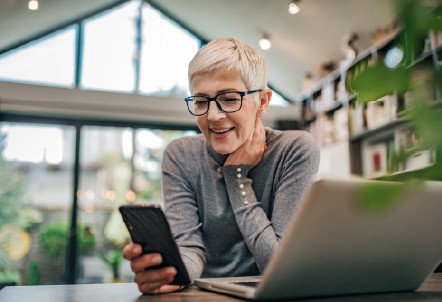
<point x="230" y="54"/>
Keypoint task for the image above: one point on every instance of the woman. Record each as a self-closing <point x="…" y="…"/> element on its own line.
<point x="229" y="193"/>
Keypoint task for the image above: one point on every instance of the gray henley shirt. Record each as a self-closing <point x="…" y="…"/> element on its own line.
<point x="228" y="220"/>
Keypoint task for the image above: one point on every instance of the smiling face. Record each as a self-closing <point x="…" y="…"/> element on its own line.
<point x="225" y="132"/>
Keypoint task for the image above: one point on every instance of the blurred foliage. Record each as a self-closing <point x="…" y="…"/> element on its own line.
<point x="376" y="197"/>
<point x="54" y="238"/>
<point x="10" y="275"/>
<point x="113" y="259"/>
<point x="11" y="194"/>
<point x="12" y="202"/>
<point x="33" y="273"/>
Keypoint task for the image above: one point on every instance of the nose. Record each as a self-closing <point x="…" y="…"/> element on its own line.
<point x="214" y="113"/>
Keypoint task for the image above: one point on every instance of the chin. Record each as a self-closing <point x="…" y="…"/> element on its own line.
<point x="222" y="149"/>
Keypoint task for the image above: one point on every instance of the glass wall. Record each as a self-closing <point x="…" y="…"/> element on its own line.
<point x="109" y="49"/>
<point x="35" y="200"/>
<point x="48" y="61"/>
<point x="118" y="166"/>
<point x="166" y="52"/>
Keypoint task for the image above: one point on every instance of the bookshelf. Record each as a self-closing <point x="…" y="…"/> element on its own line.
<point x="381" y="138"/>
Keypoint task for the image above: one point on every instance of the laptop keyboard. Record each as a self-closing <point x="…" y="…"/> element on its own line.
<point x="250" y="283"/>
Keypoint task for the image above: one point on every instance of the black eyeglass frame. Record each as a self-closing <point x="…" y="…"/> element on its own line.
<point x="209" y="100"/>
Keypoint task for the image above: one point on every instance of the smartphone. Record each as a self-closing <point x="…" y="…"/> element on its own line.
<point x="148" y="227"/>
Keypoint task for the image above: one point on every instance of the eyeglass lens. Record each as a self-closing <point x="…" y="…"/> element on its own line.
<point x="229" y="102"/>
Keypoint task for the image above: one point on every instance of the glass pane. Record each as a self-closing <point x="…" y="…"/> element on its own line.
<point x="166" y="53"/>
<point x="50" y="60"/>
<point x="278" y="100"/>
<point x="118" y="166"/>
<point x="109" y="47"/>
<point x="35" y="200"/>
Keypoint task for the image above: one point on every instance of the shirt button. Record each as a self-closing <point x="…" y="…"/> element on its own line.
<point x="243" y="193"/>
<point x="241" y="186"/>
<point x="246" y="202"/>
<point x="239" y="169"/>
<point x="239" y="175"/>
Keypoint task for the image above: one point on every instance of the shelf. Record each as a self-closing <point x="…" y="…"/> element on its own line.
<point x="386" y="127"/>
<point x="422" y="58"/>
<point x="336" y="106"/>
<point x="431" y="172"/>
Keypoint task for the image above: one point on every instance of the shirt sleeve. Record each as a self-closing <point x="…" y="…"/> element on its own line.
<point x="262" y="235"/>
<point x="179" y="202"/>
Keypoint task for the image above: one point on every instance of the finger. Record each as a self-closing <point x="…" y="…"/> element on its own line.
<point x="131" y="251"/>
<point x="158" y="288"/>
<point x="149" y="288"/>
<point x="163" y="276"/>
<point x="139" y="264"/>
<point x="168" y="288"/>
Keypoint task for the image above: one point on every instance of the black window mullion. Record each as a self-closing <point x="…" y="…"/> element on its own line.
<point x="79" y="54"/>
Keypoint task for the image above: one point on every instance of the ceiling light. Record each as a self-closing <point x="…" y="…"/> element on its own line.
<point x="294" y="7"/>
<point x="264" y="42"/>
<point x="33" y="4"/>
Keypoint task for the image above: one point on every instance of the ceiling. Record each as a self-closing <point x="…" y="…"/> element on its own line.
<point x="300" y="43"/>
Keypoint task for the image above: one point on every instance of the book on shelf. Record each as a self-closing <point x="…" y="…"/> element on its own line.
<point x="356" y="118"/>
<point x="381" y="111"/>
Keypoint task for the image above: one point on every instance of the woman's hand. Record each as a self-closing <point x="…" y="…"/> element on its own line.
<point x="252" y="151"/>
<point x="153" y="281"/>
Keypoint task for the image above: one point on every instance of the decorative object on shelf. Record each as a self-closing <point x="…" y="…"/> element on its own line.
<point x="375" y="160"/>
<point x="381" y="111"/>
<point x="384" y="32"/>
<point x="348" y="47"/>
<point x="308" y="83"/>
<point x="326" y="68"/>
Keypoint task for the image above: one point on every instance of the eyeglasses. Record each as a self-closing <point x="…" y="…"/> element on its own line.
<point x="229" y="102"/>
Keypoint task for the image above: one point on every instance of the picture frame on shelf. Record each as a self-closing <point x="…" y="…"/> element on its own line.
<point x="375" y="160"/>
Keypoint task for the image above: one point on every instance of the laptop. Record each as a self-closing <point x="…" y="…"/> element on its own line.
<point x="350" y="237"/>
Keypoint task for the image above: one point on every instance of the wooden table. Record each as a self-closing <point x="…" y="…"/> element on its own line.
<point x="431" y="290"/>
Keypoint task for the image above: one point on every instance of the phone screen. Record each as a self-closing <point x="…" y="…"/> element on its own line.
<point x="148" y="227"/>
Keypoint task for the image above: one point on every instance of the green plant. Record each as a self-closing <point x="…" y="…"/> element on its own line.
<point x="33" y="273"/>
<point x="54" y="237"/>
<point x="10" y="275"/>
<point x="113" y="259"/>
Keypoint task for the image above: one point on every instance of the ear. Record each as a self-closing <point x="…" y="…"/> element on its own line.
<point x="264" y="100"/>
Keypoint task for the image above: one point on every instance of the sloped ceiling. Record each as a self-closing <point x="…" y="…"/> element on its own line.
<point x="300" y="43"/>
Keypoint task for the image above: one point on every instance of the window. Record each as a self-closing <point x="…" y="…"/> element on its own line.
<point x="109" y="49"/>
<point x="166" y="52"/>
<point x="47" y="61"/>
<point x="118" y="166"/>
<point x="278" y="100"/>
<point x="36" y="164"/>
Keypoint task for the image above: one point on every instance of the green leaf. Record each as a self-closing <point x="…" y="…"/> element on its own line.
<point x="378" y="81"/>
<point x="378" y="197"/>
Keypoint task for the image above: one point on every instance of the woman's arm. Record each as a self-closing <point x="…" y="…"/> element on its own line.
<point x="300" y="159"/>
<point x="181" y="209"/>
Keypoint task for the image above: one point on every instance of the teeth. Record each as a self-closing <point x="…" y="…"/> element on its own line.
<point x="220" y="131"/>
